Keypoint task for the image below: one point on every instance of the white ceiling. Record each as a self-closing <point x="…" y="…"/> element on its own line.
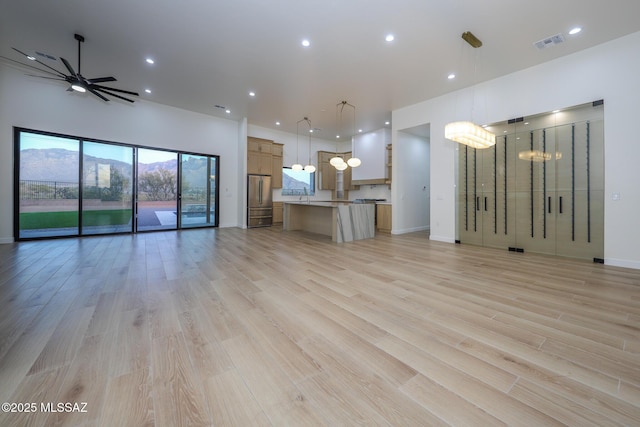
<point x="211" y="52"/>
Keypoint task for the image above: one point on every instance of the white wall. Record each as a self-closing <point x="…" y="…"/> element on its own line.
<point x="410" y="184"/>
<point x="609" y="71"/>
<point x="46" y="106"/>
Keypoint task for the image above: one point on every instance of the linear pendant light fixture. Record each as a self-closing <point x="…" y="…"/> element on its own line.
<point x="467" y="132"/>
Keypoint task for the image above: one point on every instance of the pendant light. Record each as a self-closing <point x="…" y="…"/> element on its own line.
<point x="309" y="168"/>
<point x="297" y="166"/>
<point x="338" y="162"/>
<point x="467" y="132"/>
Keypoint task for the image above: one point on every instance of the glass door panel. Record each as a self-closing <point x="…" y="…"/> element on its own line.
<point x="213" y="191"/>
<point x="469" y="193"/>
<point x="157" y="193"/>
<point x="194" y="192"/>
<point x="542" y="185"/>
<point x="495" y="196"/>
<point x="48" y="186"/>
<point x="197" y="190"/>
<point x="107" y="176"/>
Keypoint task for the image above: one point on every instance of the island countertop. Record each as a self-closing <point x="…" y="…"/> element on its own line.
<point x="343" y="221"/>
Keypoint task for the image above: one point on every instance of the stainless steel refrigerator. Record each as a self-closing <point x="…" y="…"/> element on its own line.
<point x="259" y="203"/>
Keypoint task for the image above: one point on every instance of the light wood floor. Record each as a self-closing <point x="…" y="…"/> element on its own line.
<point x="263" y="327"/>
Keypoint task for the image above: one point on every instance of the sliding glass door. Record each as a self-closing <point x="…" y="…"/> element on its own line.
<point x="157" y="190"/>
<point x="66" y="186"/>
<point x="107" y="188"/>
<point x="197" y="190"/>
<point x="47" y="186"/>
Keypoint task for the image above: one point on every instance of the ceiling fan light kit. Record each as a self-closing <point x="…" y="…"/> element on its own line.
<point x="77" y="82"/>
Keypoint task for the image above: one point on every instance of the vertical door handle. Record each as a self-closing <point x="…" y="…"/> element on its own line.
<point x="477" y="203"/>
<point x="549" y="204"/>
<point x="260" y="191"/>
<point x="485" y="204"/>
<point x="560" y="205"/>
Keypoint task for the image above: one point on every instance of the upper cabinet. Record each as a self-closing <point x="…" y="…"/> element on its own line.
<point x="328" y="178"/>
<point x="371" y="148"/>
<point x="276" y="165"/>
<point x="264" y="157"/>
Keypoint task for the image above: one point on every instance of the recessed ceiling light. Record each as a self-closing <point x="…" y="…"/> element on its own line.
<point x="150" y="61"/>
<point x="451" y="76"/>
<point x="148" y="90"/>
<point x="555" y="111"/>
<point x="386" y="123"/>
<point x="277" y="123"/>
<point x="31" y="58"/>
<point x="575" y="30"/>
<point x="306" y="43"/>
<point x="360" y="130"/>
<point x="227" y="111"/>
<point x="310" y="130"/>
<point x="389" y="37"/>
<point x="252" y="93"/>
<point x="337" y="136"/>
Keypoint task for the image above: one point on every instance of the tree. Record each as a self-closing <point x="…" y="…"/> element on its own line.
<point x="158" y="185"/>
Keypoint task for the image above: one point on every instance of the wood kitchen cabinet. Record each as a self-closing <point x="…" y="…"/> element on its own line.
<point x="276" y="165"/>
<point x="277" y="212"/>
<point x="264" y="157"/>
<point x="327" y="179"/>
<point x="383" y="218"/>
<point x="259" y="152"/>
<point x="327" y="176"/>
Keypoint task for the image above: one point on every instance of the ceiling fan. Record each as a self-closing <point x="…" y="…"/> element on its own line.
<point x="76" y="80"/>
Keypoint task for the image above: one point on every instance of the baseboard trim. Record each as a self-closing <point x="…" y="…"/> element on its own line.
<point x="442" y="239"/>
<point x="411" y="230"/>
<point x="622" y="263"/>
<point x="6" y="240"/>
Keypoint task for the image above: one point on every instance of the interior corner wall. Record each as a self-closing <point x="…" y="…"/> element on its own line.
<point x="608" y="71"/>
<point x="44" y="105"/>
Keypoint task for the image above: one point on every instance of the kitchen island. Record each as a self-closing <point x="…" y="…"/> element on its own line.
<point x="342" y="221"/>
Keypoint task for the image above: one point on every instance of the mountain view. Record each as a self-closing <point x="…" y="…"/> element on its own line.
<point x="295" y="183"/>
<point x="55" y="164"/>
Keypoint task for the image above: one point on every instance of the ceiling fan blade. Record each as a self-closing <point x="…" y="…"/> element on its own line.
<point x="99" y="95"/>
<point x="102" y="79"/>
<point x="48" y="78"/>
<point x="58" y="74"/>
<point x="41" y="63"/>
<point x="113" y="94"/>
<point x="66" y="64"/>
<point x="128" y="92"/>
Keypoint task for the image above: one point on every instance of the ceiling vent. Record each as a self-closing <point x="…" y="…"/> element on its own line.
<point x="549" y="41"/>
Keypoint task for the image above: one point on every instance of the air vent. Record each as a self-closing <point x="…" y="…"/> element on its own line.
<point x="549" y="41"/>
